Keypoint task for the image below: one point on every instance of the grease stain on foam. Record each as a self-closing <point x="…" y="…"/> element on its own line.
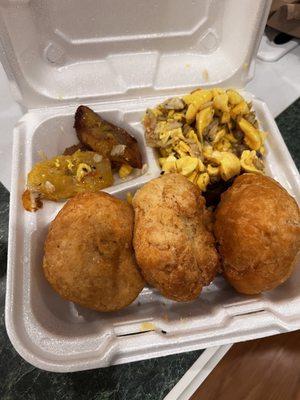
<point x="147" y="326"/>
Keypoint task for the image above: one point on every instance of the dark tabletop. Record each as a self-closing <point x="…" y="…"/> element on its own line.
<point x="149" y="379"/>
<point x="266" y="369"/>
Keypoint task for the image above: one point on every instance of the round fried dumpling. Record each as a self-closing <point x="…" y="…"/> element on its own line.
<point x="89" y="257"/>
<point x="173" y="245"/>
<point x="257" y="227"/>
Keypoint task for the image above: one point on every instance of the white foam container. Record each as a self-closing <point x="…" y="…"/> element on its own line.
<point x="120" y="57"/>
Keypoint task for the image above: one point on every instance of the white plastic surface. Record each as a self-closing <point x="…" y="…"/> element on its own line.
<point x="199" y="371"/>
<point x="269" y="51"/>
<point x="57" y="52"/>
<point x="121" y="60"/>
<point x="59" y="336"/>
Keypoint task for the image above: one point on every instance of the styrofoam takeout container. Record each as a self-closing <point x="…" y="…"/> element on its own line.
<point x="120" y="57"/>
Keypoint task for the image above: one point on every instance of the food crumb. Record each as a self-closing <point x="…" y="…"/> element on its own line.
<point x="31" y="201"/>
<point x="205" y="75"/>
<point x="42" y="155"/>
<point x="147" y="326"/>
<point x="187" y="65"/>
<point x="144" y="168"/>
<point x="124" y="171"/>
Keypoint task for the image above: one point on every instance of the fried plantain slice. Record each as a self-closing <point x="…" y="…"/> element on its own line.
<point x="106" y="139"/>
<point x="72" y="149"/>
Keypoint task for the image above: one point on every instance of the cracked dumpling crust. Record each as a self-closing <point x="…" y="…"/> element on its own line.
<point x="257" y="227"/>
<point x="173" y="246"/>
<point x="89" y="258"/>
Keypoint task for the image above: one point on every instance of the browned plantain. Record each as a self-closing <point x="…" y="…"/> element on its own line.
<point x="72" y="149"/>
<point x="106" y="139"/>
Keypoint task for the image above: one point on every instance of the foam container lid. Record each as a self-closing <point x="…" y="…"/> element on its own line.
<point x="60" y="51"/>
<point x="120" y="57"/>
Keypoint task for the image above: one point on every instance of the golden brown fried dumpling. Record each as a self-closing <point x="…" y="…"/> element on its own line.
<point x="173" y="246"/>
<point x="257" y="228"/>
<point x="89" y="257"/>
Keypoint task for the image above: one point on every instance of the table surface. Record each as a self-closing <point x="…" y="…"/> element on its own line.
<point x="153" y="379"/>
<point x="265" y="369"/>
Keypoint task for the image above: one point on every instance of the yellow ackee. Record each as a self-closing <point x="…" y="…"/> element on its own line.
<point x="252" y="135"/>
<point x="234" y="97"/>
<point x="168" y="164"/>
<point x="240" y="109"/>
<point x="125" y="170"/>
<point x="203" y="181"/>
<point x="250" y="162"/>
<point x="208" y="135"/>
<point x="187" y="165"/>
<point x="203" y="119"/>
<point x="221" y="102"/>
